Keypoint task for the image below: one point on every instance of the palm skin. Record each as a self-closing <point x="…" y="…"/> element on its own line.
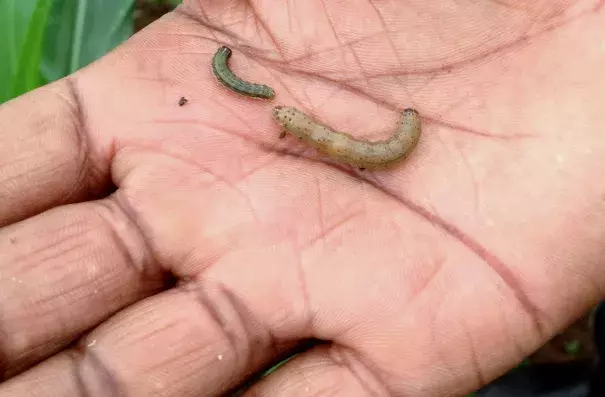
<point x="428" y="279"/>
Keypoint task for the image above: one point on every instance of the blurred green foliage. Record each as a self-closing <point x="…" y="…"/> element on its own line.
<point x="44" y="40"/>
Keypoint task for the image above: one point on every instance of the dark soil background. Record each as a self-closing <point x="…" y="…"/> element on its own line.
<point x="575" y="343"/>
<point x="148" y="11"/>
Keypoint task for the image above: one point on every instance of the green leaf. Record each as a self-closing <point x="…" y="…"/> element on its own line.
<point x="58" y="40"/>
<point x="77" y="36"/>
<point x="573" y="347"/>
<point x="20" y="24"/>
<point x="27" y="75"/>
<point x="276" y="366"/>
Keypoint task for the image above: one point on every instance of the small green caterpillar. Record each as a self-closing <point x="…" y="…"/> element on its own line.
<point x="220" y="69"/>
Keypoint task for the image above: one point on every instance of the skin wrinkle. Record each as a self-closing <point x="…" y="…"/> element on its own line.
<point x="194" y="164"/>
<point x="141" y="268"/>
<point x="327" y="230"/>
<point x="386" y="32"/>
<point x="432" y="331"/>
<point x="4" y="355"/>
<point x="420" y="287"/>
<point x="600" y="291"/>
<point x="485" y="255"/>
<point x="510" y="335"/>
<point x="96" y="187"/>
<point x="205" y="21"/>
<point x="308" y="315"/>
<point x="505" y="4"/>
<point x="74" y="357"/>
<point x="289" y="92"/>
<point x="105" y="378"/>
<point x="468" y="130"/>
<point x="392" y="43"/>
<point x="256" y="23"/>
<point x="514" y="45"/>
<point x="471" y="175"/>
<point x="18" y="259"/>
<point x="454" y="105"/>
<point x="159" y="364"/>
<point x="249" y="337"/>
<point x="258" y="144"/>
<point x="461" y="128"/>
<point x="320" y="214"/>
<point x="190" y="255"/>
<point x="249" y="128"/>
<point x="326" y="52"/>
<point x="272" y="160"/>
<point x="475" y="363"/>
<point x="82" y="159"/>
<point x="290" y="19"/>
<point x="265" y="27"/>
<point x="132" y="215"/>
<point x="247" y="387"/>
<point x="342" y="45"/>
<point x="58" y="250"/>
<point x="24" y="159"/>
<point x="427" y="81"/>
<point x="342" y="357"/>
<point x="34" y="352"/>
<point x="205" y="302"/>
<point x="448" y="67"/>
<point x="235" y="115"/>
<point x="257" y="341"/>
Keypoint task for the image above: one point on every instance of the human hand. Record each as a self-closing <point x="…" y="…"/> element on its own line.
<point x="430" y="278"/>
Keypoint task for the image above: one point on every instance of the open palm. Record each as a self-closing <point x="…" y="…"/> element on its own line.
<point x="223" y="247"/>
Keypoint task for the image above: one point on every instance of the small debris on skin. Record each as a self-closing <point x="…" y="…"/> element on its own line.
<point x="183" y="101"/>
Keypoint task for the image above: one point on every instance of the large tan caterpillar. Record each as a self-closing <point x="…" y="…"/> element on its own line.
<point x="343" y="147"/>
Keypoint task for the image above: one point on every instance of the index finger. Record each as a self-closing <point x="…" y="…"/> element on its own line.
<point x="46" y="158"/>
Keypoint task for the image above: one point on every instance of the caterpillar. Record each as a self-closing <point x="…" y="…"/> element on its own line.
<point x="220" y="69"/>
<point x="343" y="147"/>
